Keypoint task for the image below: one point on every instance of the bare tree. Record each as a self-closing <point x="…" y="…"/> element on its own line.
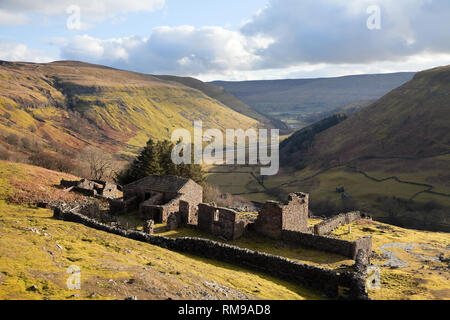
<point x="100" y="163"/>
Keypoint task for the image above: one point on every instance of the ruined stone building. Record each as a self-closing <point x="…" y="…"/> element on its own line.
<point x="157" y="197"/>
<point x="275" y="217"/>
<point x="93" y="188"/>
<point x="221" y="222"/>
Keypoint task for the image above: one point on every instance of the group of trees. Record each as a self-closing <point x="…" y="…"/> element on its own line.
<point x="156" y="158"/>
<point x="25" y="142"/>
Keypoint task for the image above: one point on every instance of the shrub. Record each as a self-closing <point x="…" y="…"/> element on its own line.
<point x="52" y="161"/>
<point x="13" y="139"/>
<point x="4" y="153"/>
<point x="26" y="143"/>
<point x="212" y="194"/>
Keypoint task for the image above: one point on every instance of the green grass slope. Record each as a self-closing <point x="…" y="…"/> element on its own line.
<point x="36" y="250"/>
<point x="74" y="104"/>
<point x="411" y="121"/>
<point x="220" y="94"/>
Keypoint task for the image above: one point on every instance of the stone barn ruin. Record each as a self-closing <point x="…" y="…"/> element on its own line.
<point x="157" y="197"/>
<point x="221" y="222"/>
<point x="275" y="217"/>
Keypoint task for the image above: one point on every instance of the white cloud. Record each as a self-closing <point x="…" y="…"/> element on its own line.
<point x="90" y="9"/>
<point x="285" y="36"/>
<point x="334" y="31"/>
<point x="319" y="70"/>
<point x="20" y="52"/>
<point x="176" y="50"/>
<point x="11" y="18"/>
<point x="86" y="48"/>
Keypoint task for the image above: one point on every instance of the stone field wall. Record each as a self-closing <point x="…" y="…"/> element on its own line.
<point x="331" y="283"/>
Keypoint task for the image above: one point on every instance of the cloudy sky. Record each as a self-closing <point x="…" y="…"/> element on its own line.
<point x="233" y="39"/>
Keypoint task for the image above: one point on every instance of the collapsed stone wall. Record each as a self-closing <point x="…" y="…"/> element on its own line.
<point x="344" y="248"/>
<point x="188" y="213"/>
<point x="109" y="190"/>
<point x="160" y="213"/>
<point x="329" y="282"/>
<point x="295" y="213"/>
<point x="93" y="188"/>
<point x="333" y="223"/>
<point x="222" y="222"/>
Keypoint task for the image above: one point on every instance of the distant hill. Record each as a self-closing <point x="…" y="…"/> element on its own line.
<point x="227" y="99"/>
<point x="391" y="159"/>
<point x="411" y="121"/>
<point x="68" y="105"/>
<point x="309" y="96"/>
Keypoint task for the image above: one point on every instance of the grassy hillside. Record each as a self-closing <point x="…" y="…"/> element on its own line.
<point x="411" y="121"/>
<point x="305" y="98"/>
<point x="420" y="276"/>
<point x="297" y="145"/>
<point x="71" y="105"/>
<point x="36" y="250"/>
<point x="220" y="94"/>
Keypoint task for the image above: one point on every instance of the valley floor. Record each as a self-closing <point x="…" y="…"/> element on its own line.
<point x="369" y="184"/>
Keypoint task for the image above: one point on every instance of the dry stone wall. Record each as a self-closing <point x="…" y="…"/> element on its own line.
<point x="329" y="282"/>
<point x="93" y="188"/>
<point x="344" y="248"/>
<point x="332" y="224"/>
